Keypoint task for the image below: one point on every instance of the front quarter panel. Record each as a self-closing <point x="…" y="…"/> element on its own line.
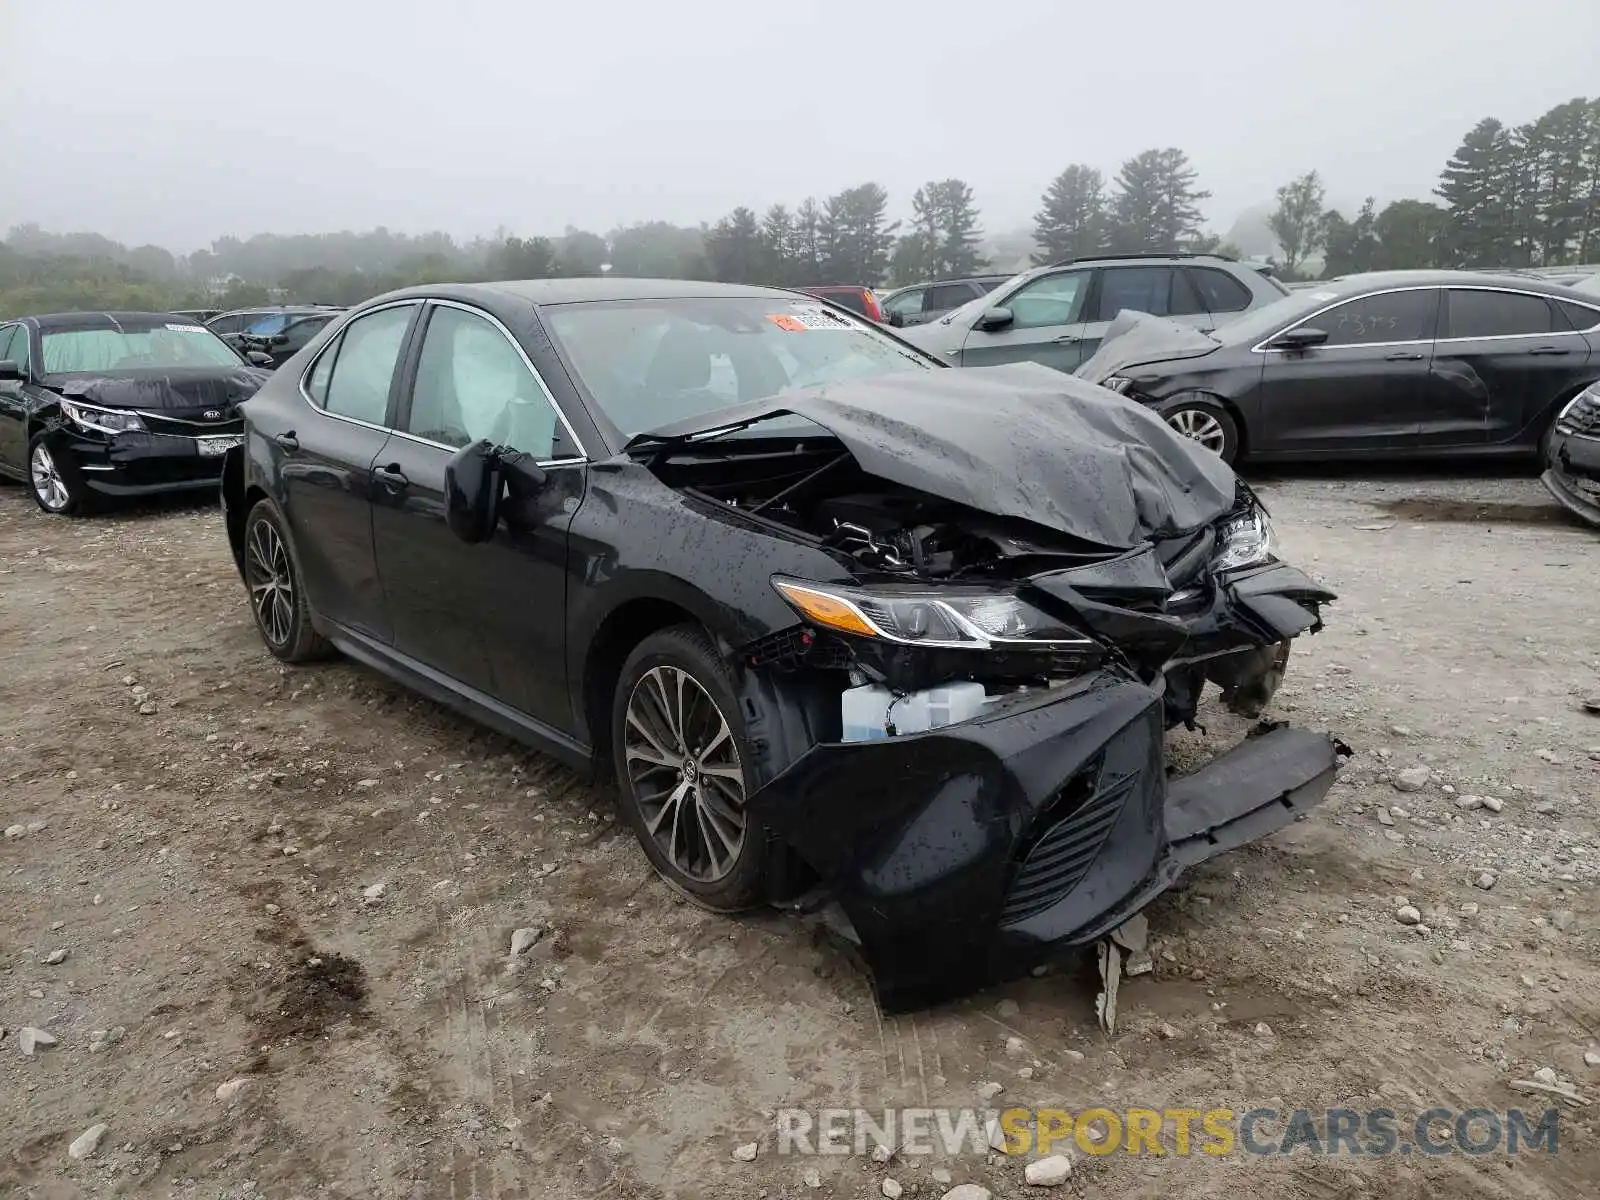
<point x="635" y="539"/>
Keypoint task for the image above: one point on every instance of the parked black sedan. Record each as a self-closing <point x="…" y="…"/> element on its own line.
<point x="116" y="404"/>
<point x="1400" y="364"/>
<point x="840" y="634"/>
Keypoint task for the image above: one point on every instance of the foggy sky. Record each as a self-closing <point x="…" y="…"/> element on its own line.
<point x="178" y="121"/>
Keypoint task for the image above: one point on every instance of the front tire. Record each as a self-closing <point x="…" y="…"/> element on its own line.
<point x="680" y="751"/>
<point x="1205" y="421"/>
<point x="277" y="597"/>
<point x="55" y="481"/>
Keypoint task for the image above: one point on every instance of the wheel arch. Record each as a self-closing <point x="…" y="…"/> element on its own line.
<point x="623" y="628"/>
<point x="1222" y="402"/>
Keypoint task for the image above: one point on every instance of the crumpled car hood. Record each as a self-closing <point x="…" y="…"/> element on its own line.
<point x="217" y="388"/>
<point x="1136" y="338"/>
<point x="1019" y="440"/>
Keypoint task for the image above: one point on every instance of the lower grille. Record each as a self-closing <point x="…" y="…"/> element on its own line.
<point x="1062" y="856"/>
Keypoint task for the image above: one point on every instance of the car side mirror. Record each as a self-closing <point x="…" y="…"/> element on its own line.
<point x="10" y="371"/>
<point x="524" y="477"/>
<point x="995" y="318"/>
<point x="898" y="320"/>
<point x="472" y="486"/>
<point x="1298" y="339"/>
<point x="259" y="358"/>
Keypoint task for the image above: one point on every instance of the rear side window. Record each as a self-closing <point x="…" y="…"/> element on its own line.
<point x="1142" y="289"/>
<point x="351" y="378"/>
<point x="1476" y="313"/>
<point x="8" y="334"/>
<point x="1220" y="291"/>
<point x="1580" y="316"/>
<point x="1384" y="317"/>
<point x="948" y="295"/>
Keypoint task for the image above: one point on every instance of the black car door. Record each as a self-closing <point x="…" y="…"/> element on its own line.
<point x="1502" y="360"/>
<point x="1366" y="389"/>
<point x="326" y="451"/>
<point x="491" y="616"/>
<point x="13" y="403"/>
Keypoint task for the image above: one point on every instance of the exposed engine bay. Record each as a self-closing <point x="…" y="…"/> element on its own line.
<point x="1157" y="612"/>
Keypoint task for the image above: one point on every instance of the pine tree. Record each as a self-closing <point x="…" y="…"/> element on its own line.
<point x="945" y="224"/>
<point x="779" y="253"/>
<point x="854" y="239"/>
<point x="1410" y="233"/>
<point x="733" y="247"/>
<point x="1298" y="222"/>
<point x="909" y="261"/>
<point x="1156" y="206"/>
<point x="1480" y="188"/>
<point x="1071" y="222"/>
<point x="808" y="263"/>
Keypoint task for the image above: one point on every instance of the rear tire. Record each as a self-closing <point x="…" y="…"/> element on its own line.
<point x="682" y="764"/>
<point x="54" y="480"/>
<point x="277" y="596"/>
<point x="1203" y="420"/>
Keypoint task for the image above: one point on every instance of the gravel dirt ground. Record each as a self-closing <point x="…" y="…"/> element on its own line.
<point x="308" y="880"/>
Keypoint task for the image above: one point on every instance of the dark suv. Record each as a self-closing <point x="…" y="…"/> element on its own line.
<point x="922" y="302"/>
<point x="1056" y="315"/>
<point x="279" y="332"/>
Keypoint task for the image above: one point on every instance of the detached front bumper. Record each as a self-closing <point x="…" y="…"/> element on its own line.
<point x="1572" y="472"/>
<point x="970" y="854"/>
<point x="132" y="464"/>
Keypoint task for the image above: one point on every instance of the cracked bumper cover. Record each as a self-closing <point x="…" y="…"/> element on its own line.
<point x="1572" y="474"/>
<point x="137" y="463"/>
<point x="970" y="854"/>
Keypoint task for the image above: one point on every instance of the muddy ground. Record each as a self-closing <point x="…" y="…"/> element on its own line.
<point x="200" y="825"/>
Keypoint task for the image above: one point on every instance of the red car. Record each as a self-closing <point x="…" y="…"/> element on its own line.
<point x="858" y="300"/>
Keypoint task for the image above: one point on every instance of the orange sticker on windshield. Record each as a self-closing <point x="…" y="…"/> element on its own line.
<point x="787" y="323"/>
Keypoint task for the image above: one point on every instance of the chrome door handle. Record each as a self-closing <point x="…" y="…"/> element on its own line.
<point x="1066" y="339"/>
<point x="391" y="476"/>
<point x="1402" y="357"/>
<point x="287" y="441"/>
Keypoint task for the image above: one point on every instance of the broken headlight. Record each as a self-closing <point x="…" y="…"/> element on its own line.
<point x="102" y="420"/>
<point x="1247" y="541"/>
<point x="947" y="619"/>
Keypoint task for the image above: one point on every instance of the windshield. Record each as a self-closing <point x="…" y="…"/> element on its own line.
<point x="169" y="345"/>
<point x="650" y="363"/>
<point x="267" y="325"/>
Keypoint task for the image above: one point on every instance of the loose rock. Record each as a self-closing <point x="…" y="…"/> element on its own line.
<point x="1049" y="1172"/>
<point x="13" y="832"/>
<point x="1485" y="881"/>
<point x="1407" y="914"/>
<point x="30" y="1038"/>
<point x="1493" y="803"/>
<point x="1591" y="1058"/>
<point x="746" y="1152"/>
<point x="891" y="1189"/>
<point x="1015" y="1048"/>
<point x="988" y="1091"/>
<point x="940" y="1175"/>
<point x="1563" y="919"/>
<point x="1383" y="816"/>
<point x="87" y="1142"/>
<point x="55" y="958"/>
<point x="968" y="1191"/>
<point x="1007" y="1009"/>
<point x="812" y="1178"/>
<point x="522" y="940"/>
<point x="227" y="1091"/>
<point x="1412" y="779"/>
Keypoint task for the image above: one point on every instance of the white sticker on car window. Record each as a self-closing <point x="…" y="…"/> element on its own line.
<point x="187" y="328"/>
<point x="807" y="317"/>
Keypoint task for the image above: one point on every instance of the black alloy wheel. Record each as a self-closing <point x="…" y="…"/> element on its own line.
<point x="276" y="599"/>
<point x="680" y="760"/>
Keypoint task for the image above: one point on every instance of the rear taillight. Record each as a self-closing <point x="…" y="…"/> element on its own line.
<point x="873" y="311"/>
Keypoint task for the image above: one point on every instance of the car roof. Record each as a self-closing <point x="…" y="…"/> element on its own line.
<point x="1433" y="277"/>
<point x="579" y="291"/>
<point x="97" y="320"/>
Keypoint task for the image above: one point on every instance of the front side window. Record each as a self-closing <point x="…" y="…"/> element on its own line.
<point x="8" y="334"/>
<point x="1475" y="313"/>
<point x="472" y="383"/>
<point x="352" y="378"/>
<point x="170" y="344"/>
<point x="1049" y="300"/>
<point x="1384" y="317"/>
<point x="651" y="363"/>
<point x="906" y="304"/>
<point x="268" y="325"/>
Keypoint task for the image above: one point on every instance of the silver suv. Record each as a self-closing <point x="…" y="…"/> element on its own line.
<point x="1056" y="315"/>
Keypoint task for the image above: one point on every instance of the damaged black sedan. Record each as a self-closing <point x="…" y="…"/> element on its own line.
<point x="117" y="404"/>
<point x="856" y="634"/>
